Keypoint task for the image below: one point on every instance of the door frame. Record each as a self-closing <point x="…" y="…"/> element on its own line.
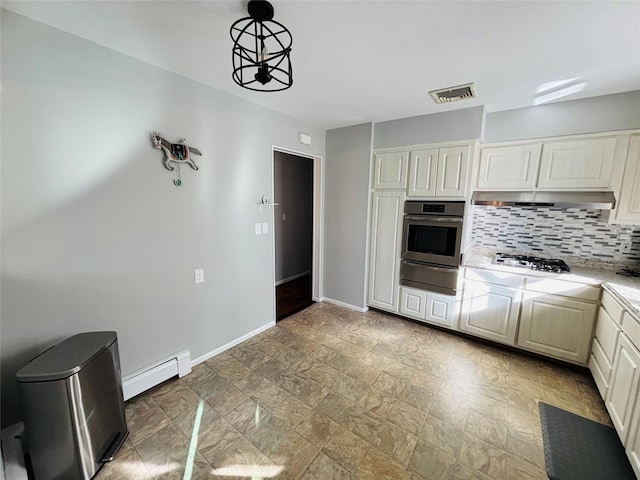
<point x="318" y="222"/>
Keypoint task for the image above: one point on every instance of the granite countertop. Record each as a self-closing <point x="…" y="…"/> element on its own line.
<point x="591" y="272"/>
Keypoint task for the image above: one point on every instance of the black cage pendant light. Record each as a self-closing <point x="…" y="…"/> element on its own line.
<point x="261" y="50"/>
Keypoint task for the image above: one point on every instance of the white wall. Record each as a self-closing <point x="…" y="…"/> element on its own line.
<point x="596" y="114"/>
<point x="346" y="205"/>
<point x="95" y="236"/>
<point x="464" y="124"/>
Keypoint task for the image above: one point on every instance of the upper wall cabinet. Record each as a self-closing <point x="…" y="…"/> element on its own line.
<point x="509" y="167"/>
<point x="582" y="163"/>
<point x="628" y="209"/>
<point x="439" y="172"/>
<point x="577" y="164"/>
<point x="390" y="171"/>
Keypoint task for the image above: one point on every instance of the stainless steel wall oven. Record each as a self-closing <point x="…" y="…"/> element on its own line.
<point x="431" y="240"/>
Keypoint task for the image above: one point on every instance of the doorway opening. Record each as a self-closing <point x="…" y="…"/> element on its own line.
<point x="293" y="184"/>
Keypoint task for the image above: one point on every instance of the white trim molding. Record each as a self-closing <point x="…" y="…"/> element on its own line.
<point x="345" y="305"/>
<point x="232" y="343"/>
<point x="293" y="277"/>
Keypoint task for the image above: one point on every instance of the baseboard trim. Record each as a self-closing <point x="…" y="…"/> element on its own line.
<point x="232" y="343"/>
<point x="288" y="279"/>
<point x="142" y="380"/>
<point x="345" y="305"/>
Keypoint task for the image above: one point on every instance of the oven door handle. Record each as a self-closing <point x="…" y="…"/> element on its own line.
<point x="428" y="267"/>
<point x="427" y="218"/>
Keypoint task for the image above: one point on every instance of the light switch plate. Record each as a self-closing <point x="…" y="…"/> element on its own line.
<point x="265" y="227"/>
<point x="198" y="275"/>
<point x="258" y="229"/>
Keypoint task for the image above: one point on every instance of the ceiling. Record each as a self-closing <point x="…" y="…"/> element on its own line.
<point x="364" y="61"/>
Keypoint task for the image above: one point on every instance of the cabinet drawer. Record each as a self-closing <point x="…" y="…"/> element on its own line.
<point x="613" y="307"/>
<point x="495" y="277"/>
<point x="601" y="383"/>
<point x="632" y="329"/>
<point x="604" y="363"/>
<point x="564" y="288"/>
<point x="607" y="334"/>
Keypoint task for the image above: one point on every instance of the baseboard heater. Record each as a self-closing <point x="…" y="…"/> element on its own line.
<point x="137" y="382"/>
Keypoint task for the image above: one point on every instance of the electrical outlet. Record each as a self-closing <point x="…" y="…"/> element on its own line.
<point x="198" y="275"/>
<point x="625" y="247"/>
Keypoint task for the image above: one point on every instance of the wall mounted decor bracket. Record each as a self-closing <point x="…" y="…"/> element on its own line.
<point x="175" y="153"/>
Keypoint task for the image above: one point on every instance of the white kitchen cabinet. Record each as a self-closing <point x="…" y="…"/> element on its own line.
<point x="384" y="259"/>
<point x="628" y="208"/>
<point x="509" y="167"/>
<point x="452" y="171"/>
<point x="490" y="311"/>
<point x="623" y="391"/>
<point x="604" y="346"/>
<point x="390" y="170"/>
<point x="429" y="306"/>
<point x="413" y="302"/>
<point x="577" y="164"/>
<point x="439" y="172"/>
<point x="557" y="326"/>
<point x="633" y="441"/>
<point x="423" y="165"/>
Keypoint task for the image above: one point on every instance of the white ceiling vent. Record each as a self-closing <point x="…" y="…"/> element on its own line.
<point x="453" y="94"/>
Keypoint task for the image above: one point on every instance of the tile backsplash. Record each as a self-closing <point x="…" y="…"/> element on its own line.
<point x="554" y="231"/>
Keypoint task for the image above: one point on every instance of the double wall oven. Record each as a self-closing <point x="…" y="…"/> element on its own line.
<point x="432" y="235"/>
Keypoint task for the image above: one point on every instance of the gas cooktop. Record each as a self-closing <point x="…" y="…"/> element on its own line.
<point x="532" y="263"/>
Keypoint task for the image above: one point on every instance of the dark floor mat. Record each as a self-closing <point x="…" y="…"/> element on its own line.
<point x="576" y="448"/>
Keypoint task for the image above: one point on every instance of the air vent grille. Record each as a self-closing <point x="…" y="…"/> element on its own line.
<point x="453" y="94"/>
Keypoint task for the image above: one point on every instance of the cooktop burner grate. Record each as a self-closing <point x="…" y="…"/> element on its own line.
<point x="532" y="263"/>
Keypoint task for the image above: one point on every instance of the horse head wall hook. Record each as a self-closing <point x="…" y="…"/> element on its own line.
<point x="175" y="152"/>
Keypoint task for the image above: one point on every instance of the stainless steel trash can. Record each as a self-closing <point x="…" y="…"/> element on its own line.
<point x="72" y="405"/>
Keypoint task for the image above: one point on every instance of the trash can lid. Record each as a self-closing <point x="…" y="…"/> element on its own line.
<point x="67" y="358"/>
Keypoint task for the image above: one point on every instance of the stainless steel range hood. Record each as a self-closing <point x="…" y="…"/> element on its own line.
<point x="592" y="200"/>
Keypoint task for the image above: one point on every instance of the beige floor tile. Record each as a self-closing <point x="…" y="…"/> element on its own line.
<point x="323" y="468"/>
<point x="177" y="399"/>
<point x="144" y="418"/>
<point x="294" y="454"/>
<point x="483" y="457"/>
<point x="442" y="435"/>
<point x="317" y="429"/>
<point x="431" y="462"/>
<point x="487" y="429"/>
<point x="327" y="393"/>
<point x="334" y="405"/>
<point x="346" y="448"/>
<point x="375" y="465"/>
<point x="462" y="472"/>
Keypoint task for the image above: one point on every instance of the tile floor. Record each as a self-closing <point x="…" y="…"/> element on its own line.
<point x="334" y="394"/>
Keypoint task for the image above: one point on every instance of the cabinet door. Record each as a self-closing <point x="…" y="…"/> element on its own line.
<point x="509" y="167"/>
<point x="556" y="326"/>
<point x="490" y="311"/>
<point x="384" y="260"/>
<point x="623" y="389"/>
<point x="633" y="442"/>
<point x="628" y="210"/>
<point x="452" y="171"/>
<point x="441" y="309"/>
<point x="577" y="164"/>
<point x="413" y="302"/>
<point x="422" y="172"/>
<point x="390" y="171"/>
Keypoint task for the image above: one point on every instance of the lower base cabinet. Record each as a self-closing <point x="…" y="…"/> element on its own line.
<point x="490" y="311"/>
<point x="623" y="390"/>
<point x="428" y="306"/>
<point x="556" y="326"/>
